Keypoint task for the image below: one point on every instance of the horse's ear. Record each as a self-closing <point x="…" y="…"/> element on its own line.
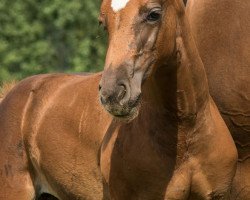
<point x="185" y="2"/>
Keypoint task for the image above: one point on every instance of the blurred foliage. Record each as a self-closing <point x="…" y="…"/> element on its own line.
<point x="42" y="36"/>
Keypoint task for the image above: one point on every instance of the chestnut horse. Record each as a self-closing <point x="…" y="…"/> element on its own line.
<point x="223" y="41"/>
<point x="51" y="128"/>
<point x="175" y="144"/>
<point x="165" y="141"/>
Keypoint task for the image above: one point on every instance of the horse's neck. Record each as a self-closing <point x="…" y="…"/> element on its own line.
<point x="180" y="85"/>
<point x="190" y="67"/>
<point x="176" y="97"/>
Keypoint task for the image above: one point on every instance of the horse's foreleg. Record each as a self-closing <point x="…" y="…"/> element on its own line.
<point x="179" y="186"/>
<point x="17" y="187"/>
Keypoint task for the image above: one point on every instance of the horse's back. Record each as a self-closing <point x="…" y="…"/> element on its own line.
<point x="221" y="30"/>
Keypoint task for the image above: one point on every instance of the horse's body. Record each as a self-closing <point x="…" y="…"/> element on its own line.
<point x="222" y="34"/>
<point x="51" y="128"/>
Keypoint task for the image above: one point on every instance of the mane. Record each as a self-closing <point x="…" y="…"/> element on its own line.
<point x="6" y="87"/>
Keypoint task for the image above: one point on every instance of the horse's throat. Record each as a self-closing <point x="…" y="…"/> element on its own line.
<point x="180" y="84"/>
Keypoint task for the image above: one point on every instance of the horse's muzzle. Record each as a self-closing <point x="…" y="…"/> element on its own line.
<point x="118" y="101"/>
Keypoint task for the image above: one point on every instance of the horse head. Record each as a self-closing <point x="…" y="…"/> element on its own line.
<point x="142" y="36"/>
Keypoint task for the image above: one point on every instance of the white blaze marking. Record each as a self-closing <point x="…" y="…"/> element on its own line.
<point x="119" y="4"/>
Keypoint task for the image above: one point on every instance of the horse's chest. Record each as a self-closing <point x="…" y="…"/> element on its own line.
<point x="135" y="167"/>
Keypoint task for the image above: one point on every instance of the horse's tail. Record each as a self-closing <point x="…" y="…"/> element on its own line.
<point x="6" y="87"/>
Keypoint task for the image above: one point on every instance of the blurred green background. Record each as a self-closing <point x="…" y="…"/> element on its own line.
<point x="43" y="36"/>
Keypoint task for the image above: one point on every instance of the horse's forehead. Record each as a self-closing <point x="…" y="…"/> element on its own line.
<point x="118" y="5"/>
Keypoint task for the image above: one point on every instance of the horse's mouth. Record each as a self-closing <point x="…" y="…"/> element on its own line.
<point x="128" y="116"/>
<point x="126" y="112"/>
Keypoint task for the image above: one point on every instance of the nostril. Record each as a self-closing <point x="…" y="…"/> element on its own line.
<point x="105" y="97"/>
<point x="122" y="91"/>
<point x="100" y="87"/>
<point x="102" y="100"/>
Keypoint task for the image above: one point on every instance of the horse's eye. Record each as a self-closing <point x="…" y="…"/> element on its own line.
<point x="154" y="15"/>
